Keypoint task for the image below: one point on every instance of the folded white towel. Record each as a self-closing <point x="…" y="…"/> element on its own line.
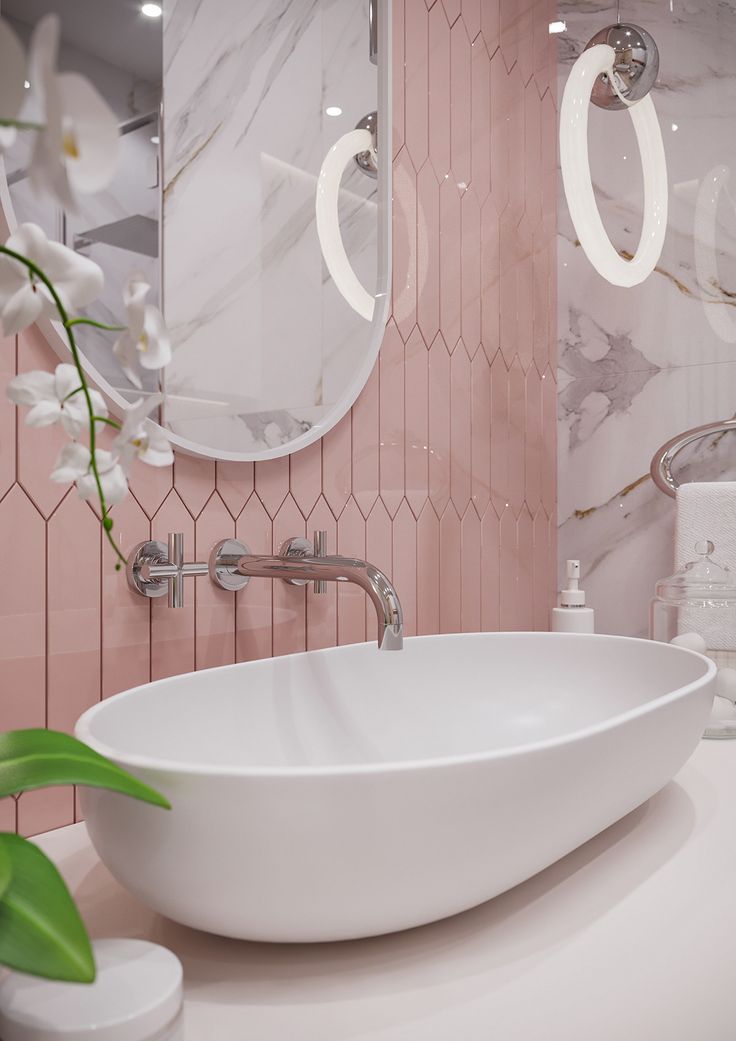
<point x="706" y="510"/>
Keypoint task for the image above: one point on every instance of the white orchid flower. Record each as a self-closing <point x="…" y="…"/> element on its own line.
<point x="145" y="342"/>
<point x="12" y="81"/>
<point x="56" y="397"/>
<point x="23" y="298"/>
<point x="140" y="438"/>
<point x="77" y="150"/>
<point x="74" y="466"/>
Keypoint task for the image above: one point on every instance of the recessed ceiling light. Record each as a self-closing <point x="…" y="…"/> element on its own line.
<point x="27" y="85"/>
<point x="557" y="27"/>
<point x="333" y="110"/>
<point x="154" y="140"/>
<point x="151" y="10"/>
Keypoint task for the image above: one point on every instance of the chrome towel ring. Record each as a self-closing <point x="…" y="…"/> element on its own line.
<point x="661" y="468"/>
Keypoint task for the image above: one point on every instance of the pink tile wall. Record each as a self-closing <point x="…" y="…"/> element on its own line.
<point x="443" y="474"/>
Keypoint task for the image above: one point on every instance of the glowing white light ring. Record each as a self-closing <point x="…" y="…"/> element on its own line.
<point x="575" y="164"/>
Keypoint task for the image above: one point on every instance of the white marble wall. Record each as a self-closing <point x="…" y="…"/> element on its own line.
<point x="245" y="288"/>
<point x="638" y="366"/>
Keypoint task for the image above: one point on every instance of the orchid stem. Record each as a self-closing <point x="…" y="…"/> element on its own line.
<point x="96" y="325"/>
<point x="21" y="124"/>
<point x="107" y="522"/>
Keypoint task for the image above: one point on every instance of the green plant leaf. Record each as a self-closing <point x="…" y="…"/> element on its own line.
<point x="41" y="932"/>
<point x="38" y="758"/>
<point x="6" y="870"/>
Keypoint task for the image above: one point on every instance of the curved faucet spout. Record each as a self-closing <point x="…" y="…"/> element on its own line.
<point x="337" y="569"/>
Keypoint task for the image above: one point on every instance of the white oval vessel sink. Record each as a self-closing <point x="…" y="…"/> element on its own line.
<point x="346" y="793"/>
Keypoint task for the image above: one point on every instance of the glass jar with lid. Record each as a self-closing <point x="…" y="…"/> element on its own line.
<point x="696" y="608"/>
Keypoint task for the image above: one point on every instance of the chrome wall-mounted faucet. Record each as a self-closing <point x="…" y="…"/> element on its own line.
<point x="155" y="569"/>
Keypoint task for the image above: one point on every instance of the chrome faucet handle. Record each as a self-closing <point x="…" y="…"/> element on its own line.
<point x="155" y="569"/>
<point x="319" y="541"/>
<point x="298" y="548"/>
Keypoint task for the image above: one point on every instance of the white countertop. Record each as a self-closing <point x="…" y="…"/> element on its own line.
<point x="630" y="938"/>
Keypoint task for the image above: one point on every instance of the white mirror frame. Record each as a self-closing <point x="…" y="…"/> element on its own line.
<point x="54" y="334"/>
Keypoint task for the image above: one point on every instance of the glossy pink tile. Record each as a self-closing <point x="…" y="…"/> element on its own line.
<point x="428" y="252"/>
<point x="416" y="81"/>
<point x="452" y="9"/>
<point x="490" y="274"/>
<point x="450" y="261"/>
<point x="305" y="477"/>
<point x="416" y="422"/>
<point x="543" y="586"/>
<point x="22" y="614"/>
<point x="525" y="570"/>
<point x="439" y="91"/>
<point x="471" y="16"/>
<point x="150" y="485"/>
<point x="366" y="445"/>
<point x="549" y="443"/>
<point x="235" y="483"/>
<point x="517" y="428"/>
<point x="404" y="261"/>
<point x="8" y="814"/>
<point x="451" y="576"/>
<point x="428" y="572"/>
<point x="471" y="265"/>
<point x="214" y="610"/>
<point x="501" y="156"/>
<point x="460" y="422"/>
<point x="350" y="599"/>
<point x="510" y="618"/>
<point x="500" y="434"/>
<point x="195" y="481"/>
<point x="470" y="575"/>
<point x="397" y="74"/>
<point x="460" y="101"/>
<point x="480" y="120"/>
<point x="126" y="618"/>
<point x="254" y="604"/>
<point x="8" y="415"/>
<point x="509" y="30"/>
<point x="490" y="24"/>
<point x="404" y="555"/>
<point x="533" y="435"/>
<point x="73" y="583"/>
<point x="336" y="465"/>
<point x="439" y="425"/>
<point x="490" y="571"/>
<point x="378" y="549"/>
<point x="525" y="41"/>
<point x="391" y="419"/>
<point x="45" y="809"/>
<point x="480" y="432"/>
<point x="272" y="483"/>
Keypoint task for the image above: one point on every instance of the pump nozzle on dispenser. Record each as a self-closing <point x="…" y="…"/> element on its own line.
<point x="572" y="616"/>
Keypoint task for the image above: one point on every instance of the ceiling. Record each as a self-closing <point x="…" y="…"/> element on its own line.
<point x="113" y="30"/>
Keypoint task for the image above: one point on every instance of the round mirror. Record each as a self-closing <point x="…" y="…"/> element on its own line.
<point x="253" y="195"/>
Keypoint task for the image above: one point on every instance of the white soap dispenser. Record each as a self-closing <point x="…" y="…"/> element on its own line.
<point x="572" y="616"/>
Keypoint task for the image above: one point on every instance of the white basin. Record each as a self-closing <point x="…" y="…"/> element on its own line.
<point x="347" y="792"/>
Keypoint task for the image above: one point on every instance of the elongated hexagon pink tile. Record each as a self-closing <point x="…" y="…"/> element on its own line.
<point x="480" y="432"/>
<point x="289" y="602"/>
<point x="452" y="10"/>
<point x="45" y="809"/>
<point x="337" y="447"/>
<point x="7" y="418"/>
<point x="73" y="582"/>
<point x="517" y="429"/>
<point x="552" y="557"/>
<point x="500" y="434"/>
<point x="543" y="305"/>
<point x="8" y="814"/>
<point x="195" y="481"/>
<point x="365" y="445"/>
<point x="428" y="251"/>
<point x="480" y="121"/>
<point x="549" y="443"/>
<point x="38" y="448"/>
<point x="543" y="589"/>
<point x="508" y="287"/>
<point x="543" y="43"/>
<point x="22" y="614"/>
<point x="404" y="553"/>
<point x="510" y="11"/>
<point x="378" y="550"/>
<point x="172" y="629"/>
<point x="272" y="483"/>
<point x="515" y="117"/>
<point x="450" y="261"/>
<point x="150" y="485"/>
<point x="126" y="616"/>
<point x="500" y="132"/>
<point x="533" y="440"/>
<point x="460" y="100"/>
<point x="416" y="422"/>
<point x="525" y="39"/>
<point x="439" y="91"/>
<point x="525" y="310"/>
<point x="214" y="611"/>
<point x="470" y="572"/>
<point x="451" y="612"/>
<point x="350" y="599"/>
<point x="428" y="572"/>
<point x="525" y="572"/>
<point x="471" y="16"/>
<point x="322" y="607"/>
<point x="490" y="276"/>
<point x="470" y="286"/>
<point x="549" y="163"/>
<point x="404" y="262"/>
<point x="397" y="78"/>
<point x="391" y="419"/>
<point x="490" y="577"/>
<point x="534" y="173"/>
<point x="460" y="421"/>
<point x="490" y="24"/>
<point x="305" y="477"/>
<point x="439" y="425"/>
<point x="416" y="75"/>
<point x="235" y="483"/>
<point x="254" y="604"/>
<point x="510" y="619"/>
